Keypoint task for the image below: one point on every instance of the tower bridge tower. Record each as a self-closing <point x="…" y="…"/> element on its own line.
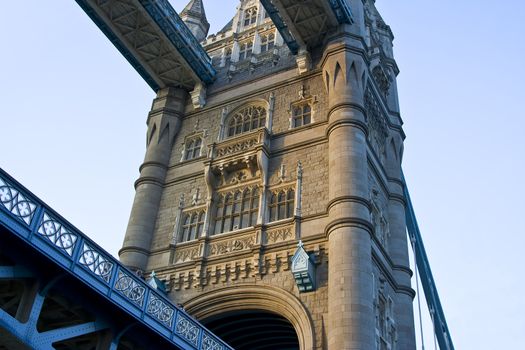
<point x="271" y="200"/>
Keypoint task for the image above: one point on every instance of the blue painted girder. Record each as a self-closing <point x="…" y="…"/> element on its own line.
<point x="173" y="32"/>
<point x="427" y="280"/>
<point x="45" y="232"/>
<point x="339" y="9"/>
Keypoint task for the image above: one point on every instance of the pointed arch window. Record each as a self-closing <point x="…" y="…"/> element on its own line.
<point x="192" y="225"/>
<point x="250" y="16"/>
<point x="245" y="50"/>
<point x="282" y="204"/>
<point x="246" y="119"/>
<point x="193" y="148"/>
<point x="267" y="42"/>
<point x="236" y="210"/>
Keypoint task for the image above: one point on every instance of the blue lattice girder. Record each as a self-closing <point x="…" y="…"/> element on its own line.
<point x="176" y="30"/>
<point x="72" y="254"/>
<point x="14" y="272"/>
<point x="303" y="28"/>
<point x="281" y="26"/>
<point x="168" y="53"/>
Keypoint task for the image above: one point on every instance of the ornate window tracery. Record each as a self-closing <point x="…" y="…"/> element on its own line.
<point x="193" y="148"/>
<point x="236" y="210"/>
<point x="301" y="115"/>
<point x="192" y="225"/>
<point x="250" y="16"/>
<point x="282" y="204"/>
<point x="246" y="119"/>
<point x="267" y="42"/>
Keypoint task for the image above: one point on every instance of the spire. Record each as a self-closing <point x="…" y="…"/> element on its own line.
<point x="195" y="18"/>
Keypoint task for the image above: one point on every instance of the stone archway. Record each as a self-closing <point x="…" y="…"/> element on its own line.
<point x="255" y="300"/>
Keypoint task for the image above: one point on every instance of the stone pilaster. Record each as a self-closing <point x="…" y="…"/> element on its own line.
<point x="350" y="292"/>
<point x="164" y="122"/>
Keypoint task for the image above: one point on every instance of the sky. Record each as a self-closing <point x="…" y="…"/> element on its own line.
<point x="73" y="114"/>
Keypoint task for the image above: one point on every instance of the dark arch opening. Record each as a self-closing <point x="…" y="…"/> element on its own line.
<point x="253" y="330"/>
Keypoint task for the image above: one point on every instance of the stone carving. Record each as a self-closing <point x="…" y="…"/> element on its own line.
<point x="279" y="235"/>
<point x="231" y="246"/>
<point x="186" y="254"/>
<point x="238" y="147"/>
<point x="377" y="124"/>
<point x="381" y="79"/>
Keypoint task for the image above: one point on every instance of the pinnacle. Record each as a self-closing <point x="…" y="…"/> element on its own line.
<point x="195" y="8"/>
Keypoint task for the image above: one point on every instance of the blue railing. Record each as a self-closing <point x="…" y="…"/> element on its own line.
<point x="45" y="230"/>
<point x="427" y="280"/>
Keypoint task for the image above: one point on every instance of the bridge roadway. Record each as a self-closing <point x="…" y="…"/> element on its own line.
<point x="60" y="290"/>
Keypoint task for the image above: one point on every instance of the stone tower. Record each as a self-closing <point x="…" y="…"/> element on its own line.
<point x="271" y="202"/>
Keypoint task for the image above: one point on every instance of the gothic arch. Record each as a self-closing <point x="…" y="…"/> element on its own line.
<point x="250" y="297"/>
<point x="240" y="115"/>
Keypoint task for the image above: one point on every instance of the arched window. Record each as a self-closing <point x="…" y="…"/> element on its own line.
<point x="250" y="16"/>
<point x="193" y="149"/>
<point x="236" y="210"/>
<point x="282" y="205"/>
<point x="246" y="119"/>
<point x="267" y="42"/>
<point x="301" y="115"/>
<point x="192" y="226"/>
<point x="245" y="50"/>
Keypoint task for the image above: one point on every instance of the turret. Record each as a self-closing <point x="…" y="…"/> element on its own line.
<point x="195" y="18"/>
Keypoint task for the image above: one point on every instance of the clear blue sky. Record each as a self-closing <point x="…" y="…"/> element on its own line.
<point x="72" y="126"/>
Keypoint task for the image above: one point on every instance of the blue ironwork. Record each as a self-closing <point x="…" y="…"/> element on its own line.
<point x="342" y="11"/>
<point x="275" y="16"/>
<point x="108" y="32"/>
<point x="427" y="280"/>
<point x="172" y="26"/>
<point x="340" y="8"/>
<point x="47" y="232"/>
<point x="176" y="30"/>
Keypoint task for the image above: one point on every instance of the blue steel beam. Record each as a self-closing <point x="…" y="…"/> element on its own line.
<point x="180" y="39"/>
<point x="43" y="230"/>
<point x="340" y="8"/>
<point x="281" y="26"/>
<point x="427" y="280"/>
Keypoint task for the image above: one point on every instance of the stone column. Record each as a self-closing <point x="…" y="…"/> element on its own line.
<point x="350" y="292"/>
<point x="404" y="315"/>
<point x="164" y="122"/>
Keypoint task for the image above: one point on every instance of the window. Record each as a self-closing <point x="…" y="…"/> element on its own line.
<point x="267" y="42"/>
<point x="227" y="55"/>
<point x="193" y="149"/>
<point x="247" y="119"/>
<point x="282" y="205"/>
<point x="192" y="226"/>
<point x="246" y="50"/>
<point x="301" y="115"/>
<point x="236" y="210"/>
<point x="250" y="16"/>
